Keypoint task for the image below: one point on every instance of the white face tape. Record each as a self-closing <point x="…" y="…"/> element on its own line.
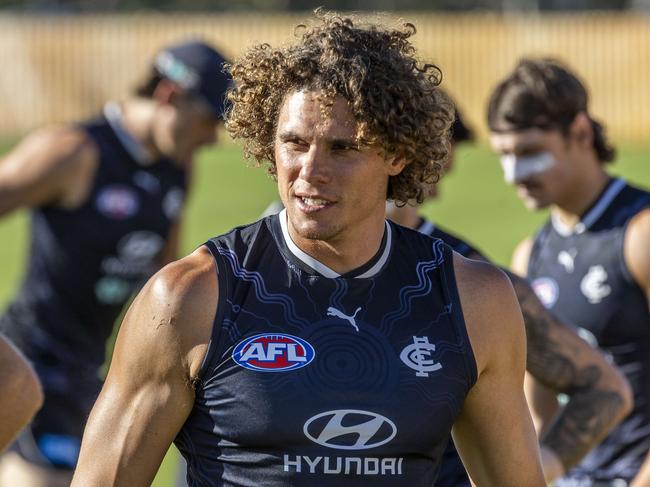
<point x="516" y="169"/>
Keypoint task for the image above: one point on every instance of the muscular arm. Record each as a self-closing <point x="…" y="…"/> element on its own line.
<point x="494" y="433"/>
<point x="52" y="166"/>
<point x="148" y="392"/>
<point x="599" y="396"/>
<point x="20" y="392"/>
<point x="637" y="260"/>
<point x="560" y="361"/>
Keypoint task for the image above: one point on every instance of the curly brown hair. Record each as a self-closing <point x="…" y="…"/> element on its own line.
<point x="395" y="100"/>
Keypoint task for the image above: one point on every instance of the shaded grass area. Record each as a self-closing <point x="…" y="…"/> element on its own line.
<point x="475" y="203"/>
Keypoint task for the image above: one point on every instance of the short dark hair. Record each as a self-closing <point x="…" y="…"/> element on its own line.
<point x="395" y="100"/>
<point x="147" y="87"/>
<point x="542" y="93"/>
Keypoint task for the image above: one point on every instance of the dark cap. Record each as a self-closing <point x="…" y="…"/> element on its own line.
<point x="198" y="68"/>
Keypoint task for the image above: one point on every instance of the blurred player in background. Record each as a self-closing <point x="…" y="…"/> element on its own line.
<point x="589" y="263"/>
<point x="323" y="345"/>
<point x="599" y="396"/>
<point x="20" y="392"/>
<point x="106" y="197"/>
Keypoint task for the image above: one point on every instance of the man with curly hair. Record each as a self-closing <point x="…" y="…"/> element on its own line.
<point x="323" y="345"/>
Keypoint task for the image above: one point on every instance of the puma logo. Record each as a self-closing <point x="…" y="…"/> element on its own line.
<point x="567" y="258"/>
<point x="339" y="314"/>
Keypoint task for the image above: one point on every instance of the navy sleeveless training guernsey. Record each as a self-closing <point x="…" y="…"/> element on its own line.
<point x="314" y="378"/>
<point x="452" y="470"/>
<point x="581" y="275"/>
<point x="85" y="263"/>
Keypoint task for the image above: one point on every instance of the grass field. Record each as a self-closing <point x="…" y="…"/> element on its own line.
<point x="475" y="202"/>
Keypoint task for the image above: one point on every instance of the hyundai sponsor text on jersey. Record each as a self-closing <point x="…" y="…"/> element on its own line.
<point x="314" y="378"/>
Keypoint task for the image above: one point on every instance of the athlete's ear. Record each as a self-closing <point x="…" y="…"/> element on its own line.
<point x="396" y="164"/>
<point x="166" y="92"/>
<point x="582" y="130"/>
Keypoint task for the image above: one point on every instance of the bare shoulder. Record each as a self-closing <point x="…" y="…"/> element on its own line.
<point x="60" y="141"/>
<point x="490" y="308"/>
<point x="174" y="312"/>
<point x="53" y="165"/>
<point x="637" y="257"/>
<point x="521" y="256"/>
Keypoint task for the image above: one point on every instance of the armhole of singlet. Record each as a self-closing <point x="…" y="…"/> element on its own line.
<point x="450" y="288"/>
<point x="224" y="292"/>
<point x="621" y="249"/>
<point x="534" y="249"/>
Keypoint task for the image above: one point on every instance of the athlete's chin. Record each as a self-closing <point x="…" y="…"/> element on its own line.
<point x="313" y="230"/>
<point x="532" y="201"/>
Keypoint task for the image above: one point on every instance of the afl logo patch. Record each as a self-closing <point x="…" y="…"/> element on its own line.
<point x="273" y="352"/>
<point x="117" y="202"/>
<point x="546" y="289"/>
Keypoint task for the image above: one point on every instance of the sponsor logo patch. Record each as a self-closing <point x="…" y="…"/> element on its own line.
<point x="118" y="202"/>
<point x="546" y="289"/>
<point x="350" y="429"/>
<point x="273" y="352"/>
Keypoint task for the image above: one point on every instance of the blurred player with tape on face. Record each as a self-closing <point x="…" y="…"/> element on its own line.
<point x="106" y="198"/>
<point x="589" y="263"/>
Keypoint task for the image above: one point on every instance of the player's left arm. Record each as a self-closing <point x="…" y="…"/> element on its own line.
<point x="637" y="260"/>
<point x="494" y="423"/>
<point x="599" y="395"/>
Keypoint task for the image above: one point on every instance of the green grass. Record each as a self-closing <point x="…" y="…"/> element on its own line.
<point x="475" y="202"/>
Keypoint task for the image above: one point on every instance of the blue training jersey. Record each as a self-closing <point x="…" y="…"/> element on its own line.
<point x="581" y="275"/>
<point x="314" y="378"/>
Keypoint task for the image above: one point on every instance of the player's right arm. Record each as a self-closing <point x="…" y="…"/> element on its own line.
<point x="148" y="392"/>
<point x="20" y="392"/>
<point x="52" y="166"/>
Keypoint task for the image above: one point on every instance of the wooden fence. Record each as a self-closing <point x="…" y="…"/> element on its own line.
<point x="61" y="68"/>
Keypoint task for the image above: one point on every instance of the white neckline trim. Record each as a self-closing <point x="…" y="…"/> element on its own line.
<point x="426" y="227"/>
<point x="592" y="215"/>
<point x="136" y="150"/>
<point x="321" y="268"/>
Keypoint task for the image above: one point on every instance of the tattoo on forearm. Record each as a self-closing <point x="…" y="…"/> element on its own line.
<point x="580" y="425"/>
<point x="591" y="410"/>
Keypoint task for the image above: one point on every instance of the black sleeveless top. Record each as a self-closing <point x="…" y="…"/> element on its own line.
<point x="85" y="263"/>
<point x="581" y="275"/>
<point x="314" y="378"/>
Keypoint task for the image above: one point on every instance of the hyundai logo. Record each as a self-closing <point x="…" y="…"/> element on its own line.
<point x="350" y="429"/>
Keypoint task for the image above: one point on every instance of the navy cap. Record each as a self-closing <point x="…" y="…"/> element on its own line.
<point x="196" y="67"/>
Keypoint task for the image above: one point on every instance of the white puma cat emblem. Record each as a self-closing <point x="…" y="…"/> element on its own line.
<point x="339" y="314"/>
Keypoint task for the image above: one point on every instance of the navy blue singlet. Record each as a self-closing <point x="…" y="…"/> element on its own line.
<point x="452" y="470"/>
<point x="314" y="378"/>
<point x="581" y="275"/>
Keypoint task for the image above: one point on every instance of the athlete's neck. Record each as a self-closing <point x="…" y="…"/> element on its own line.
<point x="581" y="197"/>
<point x="137" y="115"/>
<point x="346" y="251"/>
<point x="406" y="215"/>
